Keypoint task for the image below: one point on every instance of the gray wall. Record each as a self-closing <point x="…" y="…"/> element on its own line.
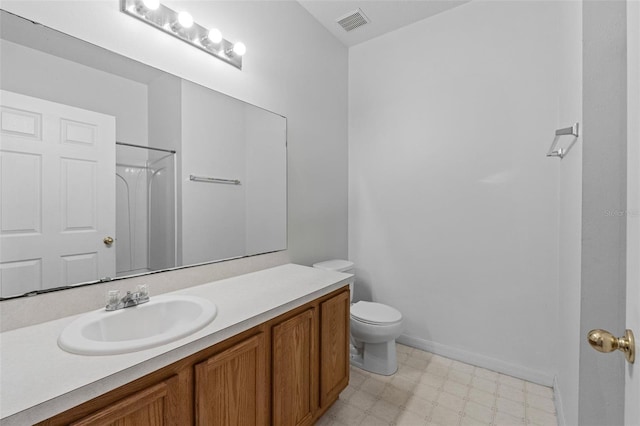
<point x="604" y="172"/>
<point x="453" y="214"/>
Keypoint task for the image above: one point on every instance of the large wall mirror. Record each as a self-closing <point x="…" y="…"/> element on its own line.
<point x="111" y="168"/>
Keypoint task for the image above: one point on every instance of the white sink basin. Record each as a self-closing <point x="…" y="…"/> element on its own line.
<point x="161" y="320"/>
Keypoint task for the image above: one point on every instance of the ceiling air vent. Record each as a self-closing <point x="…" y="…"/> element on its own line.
<point x="353" y="20"/>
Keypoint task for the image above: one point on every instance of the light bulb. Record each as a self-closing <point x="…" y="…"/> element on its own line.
<point x="214" y="35"/>
<point x="239" y="48"/>
<point x="151" y="4"/>
<point x="185" y="19"/>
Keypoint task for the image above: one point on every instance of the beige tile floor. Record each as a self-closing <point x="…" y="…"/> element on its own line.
<point x="431" y="390"/>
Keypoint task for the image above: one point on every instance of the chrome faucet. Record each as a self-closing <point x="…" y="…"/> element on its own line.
<point x="114" y="302"/>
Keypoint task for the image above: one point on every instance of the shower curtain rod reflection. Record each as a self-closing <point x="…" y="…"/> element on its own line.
<point x="146" y="147"/>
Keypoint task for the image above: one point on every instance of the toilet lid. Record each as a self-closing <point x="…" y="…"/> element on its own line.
<point x="375" y="313"/>
<point x="335" y="265"/>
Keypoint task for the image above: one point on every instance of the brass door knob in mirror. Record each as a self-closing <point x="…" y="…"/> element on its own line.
<point x="603" y="341"/>
<point x="108" y="241"/>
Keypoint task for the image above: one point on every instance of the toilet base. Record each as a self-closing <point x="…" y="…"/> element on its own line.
<point x="378" y="358"/>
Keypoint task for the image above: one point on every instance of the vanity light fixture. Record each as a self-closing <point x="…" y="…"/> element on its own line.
<point x="185" y="20"/>
<point x="213" y="36"/>
<point x="151" y="4"/>
<point x="238" y="49"/>
<point x="146" y="7"/>
<point x="181" y="25"/>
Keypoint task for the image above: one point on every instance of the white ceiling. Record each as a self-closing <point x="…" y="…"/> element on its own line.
<point x="384" y="15"/>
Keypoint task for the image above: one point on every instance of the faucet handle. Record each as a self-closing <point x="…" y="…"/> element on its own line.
<point x="142" y="290"/>
<point x="113" y="297"/>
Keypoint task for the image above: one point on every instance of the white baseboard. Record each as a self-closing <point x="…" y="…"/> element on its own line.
<point x="518" y="371"/>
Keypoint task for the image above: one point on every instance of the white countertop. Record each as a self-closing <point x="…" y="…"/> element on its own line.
<point x="39" y="380"/>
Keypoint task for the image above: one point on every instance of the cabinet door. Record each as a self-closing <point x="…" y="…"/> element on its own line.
<point x="334" y="347"/>
<point x="154" y="406"/>
<point x="232" y="387"/>
<point x="294" y="385"/>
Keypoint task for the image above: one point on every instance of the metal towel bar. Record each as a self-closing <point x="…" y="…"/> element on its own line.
<point x="562" y="152"/>
<point x="214" y="180"/>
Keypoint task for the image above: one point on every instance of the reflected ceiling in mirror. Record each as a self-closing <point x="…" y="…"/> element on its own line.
<point x="111" y="168"/>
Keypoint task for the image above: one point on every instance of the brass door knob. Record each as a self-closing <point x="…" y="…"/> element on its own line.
<point x="603" y="341"/>
<point x="108" y="241"/>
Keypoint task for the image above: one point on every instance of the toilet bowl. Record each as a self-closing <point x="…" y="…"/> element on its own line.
<point x="374" y="328"/>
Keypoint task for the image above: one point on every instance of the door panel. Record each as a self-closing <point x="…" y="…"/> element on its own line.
<point x="334" y="347"/>
<point x="79" y="268"/>
<point x="294" y="391"/>
<point x="231" y="386"/>
<point x="155" y="406"/>
<point x="15" y="273"/>
<point x="78" y="195"/>
<point x="25" y="124"/>
<point x="20" y="185"/>
<point x="57" y="171"/>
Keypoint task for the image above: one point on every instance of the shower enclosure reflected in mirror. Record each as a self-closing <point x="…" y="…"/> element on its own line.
<point x="111" y="168"/>
<point x="145" y="209"/>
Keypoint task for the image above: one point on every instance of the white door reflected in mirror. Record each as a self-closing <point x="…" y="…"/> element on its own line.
<point x="58" y="194"/>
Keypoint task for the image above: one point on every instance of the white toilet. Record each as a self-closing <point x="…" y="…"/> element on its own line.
<point x="374" y="328"/>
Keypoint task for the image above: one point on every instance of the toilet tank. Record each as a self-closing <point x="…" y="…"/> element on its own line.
<point x="338" y="265"/>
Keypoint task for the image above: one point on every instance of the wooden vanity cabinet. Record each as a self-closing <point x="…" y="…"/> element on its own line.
<point x="286" y="371"/>
<point x="310" y="359"/>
